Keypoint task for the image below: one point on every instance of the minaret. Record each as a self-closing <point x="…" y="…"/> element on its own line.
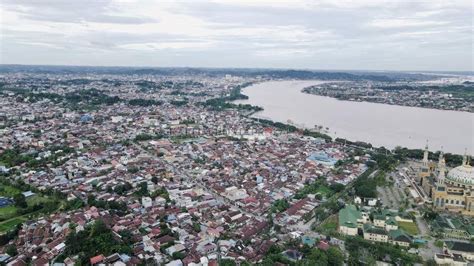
<point x="441" y="157"/>
<point x="464" y="158"/>
<point x="425" y="155"/>
<point x="441" y="173"/>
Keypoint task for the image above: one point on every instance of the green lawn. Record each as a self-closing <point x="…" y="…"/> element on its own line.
<point x="7" y="212"/>
<point x="410" y="228"/>
<point x="329" y="226"/>
<point x="10" y="224"/>
<point x="8" y="215"/>
<point x="324" y="190"/>
<point x="8" y="191"/>
<point x="36" y="199"/>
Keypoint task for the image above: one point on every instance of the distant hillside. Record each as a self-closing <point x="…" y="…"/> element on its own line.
<point x="246" y="72"/>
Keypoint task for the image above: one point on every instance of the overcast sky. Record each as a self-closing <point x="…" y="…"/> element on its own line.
<point x="325" y="34"/>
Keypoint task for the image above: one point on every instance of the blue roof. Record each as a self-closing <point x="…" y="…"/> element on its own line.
<point x="86" y="118"/>
<point x="322" y="157"/>
<point x="4" y="202"/>
<point x="308" y="241"/>
<point x="170" y="218"/>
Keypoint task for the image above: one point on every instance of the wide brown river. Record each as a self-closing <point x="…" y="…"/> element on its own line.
<point x="379" y="124"/>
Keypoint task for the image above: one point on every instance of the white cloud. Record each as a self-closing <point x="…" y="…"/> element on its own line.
<point x="404" y="22"/>
<point x="277" y="33"/>
<point x="167" y="45"/>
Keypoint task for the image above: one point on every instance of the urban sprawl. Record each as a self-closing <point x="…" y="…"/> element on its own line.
<point x="148" y="169"/>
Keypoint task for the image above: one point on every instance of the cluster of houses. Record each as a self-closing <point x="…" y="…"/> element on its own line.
<point x="383" y="227"/>
<point x="210" y="176"/>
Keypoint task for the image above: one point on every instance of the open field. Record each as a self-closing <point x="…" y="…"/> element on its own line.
<point x="410" y="228"/>
<point x="37" y="199"/>
<point x="324" y="190"/>
<point x="9" y="216"/>
<point x="10" y="224"/>
<point x="328" y="226"/>
<point x="7" y="212"/>
<point x="8" y="191"/>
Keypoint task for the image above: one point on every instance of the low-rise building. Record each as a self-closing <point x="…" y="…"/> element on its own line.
<point x="465" y="249"/>
<point x="350" y="219"/>
<point x="374" y="233"/>
<point x="399" y="237"/>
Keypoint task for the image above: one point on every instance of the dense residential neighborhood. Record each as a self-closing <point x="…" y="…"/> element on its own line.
<point x="135" y="169"/>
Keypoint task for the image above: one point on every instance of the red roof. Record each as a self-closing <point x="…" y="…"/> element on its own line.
<point x="296" y="207"/>
<point x="323" y="245"/>
<point x="249" y="200"/>
<point x="97" y="259"/>
<point x="268" y="130"/>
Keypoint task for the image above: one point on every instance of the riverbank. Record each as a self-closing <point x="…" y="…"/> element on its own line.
<point x="439" y="98"/>
<point x="381" y="125"/>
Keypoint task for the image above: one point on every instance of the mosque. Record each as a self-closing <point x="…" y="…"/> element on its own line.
<point x="451" y="190"/>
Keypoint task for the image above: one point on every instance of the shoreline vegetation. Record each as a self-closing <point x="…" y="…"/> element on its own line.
<point x="459" y="98"/>
<point x="235" y="94"/>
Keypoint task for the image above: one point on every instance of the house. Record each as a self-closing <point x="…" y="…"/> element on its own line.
<point x="292" y="255"/>
<point x="455" y="260"/>
<point x="323" y="245"/>
<point x="97" y="259"/>
<point x="4" y="258"/>
<point x="391" y="224"/>
<point x="175" y="248"/>
<point x="17" y="262"/>
<point x="379" y="220"/>
<point x="306" y="240"/>
<point x="350" y="220"/>
<point x="4" y="202"/>
<point x="465" y="249"/>
<point x="147" y="202"/>
<point x="399" y="237"/>
<point x="385" y="220"/>
<point x="174" y="263"/>
<point x="375" y="233"/>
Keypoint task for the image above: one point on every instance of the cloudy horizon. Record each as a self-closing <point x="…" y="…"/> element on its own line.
<point x="338" y="35"/>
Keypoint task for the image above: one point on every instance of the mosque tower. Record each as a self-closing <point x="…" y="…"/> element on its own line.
<point x="465" y="160"/>
<point x="425" y="155"/>
<point x="442" y="171"/>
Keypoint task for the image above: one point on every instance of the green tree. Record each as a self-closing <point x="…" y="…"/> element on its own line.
<point x="95" y="239"/>
<point x="178" y="256"/>
<point x="318" y="257"/>
<point x="11" y="250"/>
<point x="227" y="262"/>
<point x="335" y="256"/>
<point x="142" y="189"/>
<point x="196" y="227"/>
<point x="280" y="205"/>
<point x="20" y="201"/>
<point x="90" y="199"/>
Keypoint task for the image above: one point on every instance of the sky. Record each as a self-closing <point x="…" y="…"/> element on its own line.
<point x="319" y="34"/>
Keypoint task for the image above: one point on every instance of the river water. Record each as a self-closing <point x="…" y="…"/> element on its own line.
<point x="379" y="124"/>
